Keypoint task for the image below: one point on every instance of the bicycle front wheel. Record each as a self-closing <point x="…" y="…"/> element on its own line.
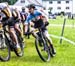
<point x="4" y="49"/>
<point x="42" y="50"/>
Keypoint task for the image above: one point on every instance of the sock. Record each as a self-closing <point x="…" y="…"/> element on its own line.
<point x="18" y="46"/>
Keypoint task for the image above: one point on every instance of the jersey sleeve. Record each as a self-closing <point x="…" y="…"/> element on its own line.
<point x="39" y="13"/>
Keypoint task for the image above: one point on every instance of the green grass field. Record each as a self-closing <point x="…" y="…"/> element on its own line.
<point x="65" y="52"/>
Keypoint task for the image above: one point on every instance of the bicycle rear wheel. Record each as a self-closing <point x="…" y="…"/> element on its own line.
<point x="42" y="51"/>
<point x="4" y="49"/>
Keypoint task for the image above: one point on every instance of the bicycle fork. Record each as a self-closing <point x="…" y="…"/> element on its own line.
<point x="44" y="42"/>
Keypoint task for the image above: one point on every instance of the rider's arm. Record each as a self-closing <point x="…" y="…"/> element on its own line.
<point x="19" y="15"/>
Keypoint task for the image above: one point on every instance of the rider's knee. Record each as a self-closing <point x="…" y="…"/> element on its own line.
<point x="11" y="30"/>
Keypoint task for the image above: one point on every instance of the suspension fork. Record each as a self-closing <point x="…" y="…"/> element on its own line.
<point x="43" y="38"/>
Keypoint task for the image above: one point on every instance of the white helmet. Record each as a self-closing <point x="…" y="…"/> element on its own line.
<point x="3" y="5"/>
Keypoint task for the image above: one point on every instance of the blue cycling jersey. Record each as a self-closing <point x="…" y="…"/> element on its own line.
<point x="33" y="16"/>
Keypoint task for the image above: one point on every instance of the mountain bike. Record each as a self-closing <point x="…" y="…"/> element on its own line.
<point x="7" y="45"/>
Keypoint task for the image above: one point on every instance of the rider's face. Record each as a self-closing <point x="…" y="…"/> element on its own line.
<point x="31" y="10"/>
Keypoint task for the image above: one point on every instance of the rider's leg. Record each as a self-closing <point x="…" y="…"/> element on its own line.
<point x="25" y="27"/>
<point x="11" y="24"/>
<point x="34" y="34"/>
<point x="51" y="43"/>
<point x="17" y="28"/>
<point x="13" y="34"/>
<point x="47" y="35"/>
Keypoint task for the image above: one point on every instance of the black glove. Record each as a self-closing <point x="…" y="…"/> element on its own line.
<point x="46" y="24"/>
<point x="27" y="33"/>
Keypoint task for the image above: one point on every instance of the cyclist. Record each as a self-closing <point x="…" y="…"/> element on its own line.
<point x="39" y="21"/>
<point x="23" y="15"/>
<point x="7" y="19"/>
<point x="17" y="20"/>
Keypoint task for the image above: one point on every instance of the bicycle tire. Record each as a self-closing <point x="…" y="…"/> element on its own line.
<point x="2" y="58"/>
<point x="49" y="42"/>
<point x="39" y="53"/>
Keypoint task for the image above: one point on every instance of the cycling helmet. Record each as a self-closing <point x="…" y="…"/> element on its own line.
<point x="31" y="6"/>
<point x="23" y="8"/>
<point x="2" y="5"/>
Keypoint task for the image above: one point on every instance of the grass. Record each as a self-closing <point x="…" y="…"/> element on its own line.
<point x="65" y="52"/>
<point x="60" y="20"/>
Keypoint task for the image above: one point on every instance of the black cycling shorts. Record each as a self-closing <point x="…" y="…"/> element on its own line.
<point x="8" y="21"/>
<point x="39" y="24"/>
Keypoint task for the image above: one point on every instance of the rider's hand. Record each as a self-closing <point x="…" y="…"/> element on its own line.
<point x="46" y="24"/>
<point x="27" y="33"/>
